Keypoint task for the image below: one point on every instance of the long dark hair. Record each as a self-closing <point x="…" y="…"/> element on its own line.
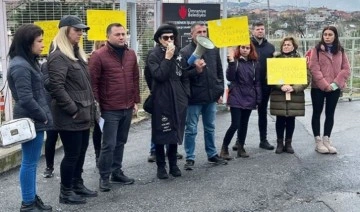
<point x="22" y="42"/>
<point x="336" y="44"/>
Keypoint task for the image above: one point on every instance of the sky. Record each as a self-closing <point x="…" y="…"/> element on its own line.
<point x="345" y="5"/>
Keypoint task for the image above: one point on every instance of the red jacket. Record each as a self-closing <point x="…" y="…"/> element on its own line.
<point x="115" y="80"/>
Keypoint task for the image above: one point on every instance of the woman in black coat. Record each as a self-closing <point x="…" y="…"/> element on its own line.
<point x="170" y="91"/>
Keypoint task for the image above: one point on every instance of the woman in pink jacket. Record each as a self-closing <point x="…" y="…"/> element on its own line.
<point x="330" y="70"/>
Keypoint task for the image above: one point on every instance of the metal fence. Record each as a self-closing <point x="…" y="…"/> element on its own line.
<point x="148" y="13"/>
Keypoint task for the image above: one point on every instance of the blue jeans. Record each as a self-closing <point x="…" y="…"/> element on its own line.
<point x="31" y="151"/>
<point x="115" y="135"/>
<point x="208" y="112"/>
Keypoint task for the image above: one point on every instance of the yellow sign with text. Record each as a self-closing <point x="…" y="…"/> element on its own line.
<point x="50" y="30"/>
<point x="99" y="20"/>
<point x="229" y="31"/>
<point x="282" y="71"/>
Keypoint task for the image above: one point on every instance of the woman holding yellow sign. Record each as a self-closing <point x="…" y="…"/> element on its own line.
<point x="287" y="101"/>
<point x="244" y="95"/>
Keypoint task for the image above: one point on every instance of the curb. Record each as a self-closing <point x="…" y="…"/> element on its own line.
<point x="10" y="158"/>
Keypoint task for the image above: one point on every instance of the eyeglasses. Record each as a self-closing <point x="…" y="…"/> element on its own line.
<point x="166" y="37"/>
<point x="245" y="47"/>
<point x="77" y="30"/>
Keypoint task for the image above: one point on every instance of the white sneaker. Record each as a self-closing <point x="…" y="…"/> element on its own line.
<point x="328" y="145"/>
<point x="320" y="147"/>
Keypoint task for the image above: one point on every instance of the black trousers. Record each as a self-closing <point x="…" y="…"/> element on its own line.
<point x="239" y="123"/>
<point x="318" y="98"/>
<point x="50" y="145"/>
<point x="286" y="124"/>
<point x="75" y="145"/>
<point x="262" y="112"/>
<point x="96" y="136"/>
<point x="171" y="153"/>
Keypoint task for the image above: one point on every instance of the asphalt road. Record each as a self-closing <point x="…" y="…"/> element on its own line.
<point x="305" y="181"/>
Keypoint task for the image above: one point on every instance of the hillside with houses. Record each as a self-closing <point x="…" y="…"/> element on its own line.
<point x="301" y="22"/>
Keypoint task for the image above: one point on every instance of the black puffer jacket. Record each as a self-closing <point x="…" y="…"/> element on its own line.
<point x="27" y="88"/>
<point x="208" y="86"/>
<point x="70" y="88"/>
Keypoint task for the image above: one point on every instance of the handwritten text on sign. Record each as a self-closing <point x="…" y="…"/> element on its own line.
<point x="282" y="71"/>
<point x="229" y="31"/>
<point x="98" y="20"/>
<point x="50" y="30"/>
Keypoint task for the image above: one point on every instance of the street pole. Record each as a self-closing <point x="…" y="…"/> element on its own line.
<point x="268" y="18"/>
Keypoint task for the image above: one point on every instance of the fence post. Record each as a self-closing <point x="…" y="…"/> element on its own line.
<point x="352" y="67"/>
<point x="4" y="43"/>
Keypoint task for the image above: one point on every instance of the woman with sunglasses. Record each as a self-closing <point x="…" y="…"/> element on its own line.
<point x="170" y="90"/>
<point x="285" y="109"/>
<point x="330" y="70"/>
<point x="244" y="95"/>
<point x="72" y="106"/>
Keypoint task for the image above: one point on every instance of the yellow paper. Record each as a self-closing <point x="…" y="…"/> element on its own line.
<point x="50" y="30"/>
<point x="229" y="31"/>
<point x="99" y="20"/>
<point x="282" y="71"/>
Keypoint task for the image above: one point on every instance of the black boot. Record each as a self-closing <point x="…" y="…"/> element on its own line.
<point x="80" y="189"/>
<point x="161" y="173"/>
<point x="266" y="145"/>
<point x="118" y="176"/>
<point x="68" y="196"/>
<point x="41" y="205"/>
<point x="280" y="146"/>
<point x="172" y="157"/>
<point x="104" y="184"/>
<point x="31" y="207"/>
<point x="288" y="148"/>
<point x="160" y="161"/>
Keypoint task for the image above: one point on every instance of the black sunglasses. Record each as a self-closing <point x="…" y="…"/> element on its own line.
<point x="166" y="37"/>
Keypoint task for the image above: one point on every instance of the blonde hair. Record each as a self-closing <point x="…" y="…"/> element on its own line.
<point x="62" y="42"/>
<point x="98" y="44"/>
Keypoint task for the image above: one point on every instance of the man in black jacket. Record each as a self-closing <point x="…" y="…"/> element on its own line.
<point x="207" y="86"/>
<point x="264" y="50"/>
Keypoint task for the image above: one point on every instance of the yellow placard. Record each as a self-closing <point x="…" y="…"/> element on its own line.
<point x="99" y="20"/>
<point x="50" y="30"/>
<point x="282" y="71"/>
<point x="229" y="31"/>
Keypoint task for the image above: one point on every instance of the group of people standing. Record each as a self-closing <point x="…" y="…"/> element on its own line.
<point x="76" y="85"/>
<point x="328" y="72"/>
<point x="181" y="92"/>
